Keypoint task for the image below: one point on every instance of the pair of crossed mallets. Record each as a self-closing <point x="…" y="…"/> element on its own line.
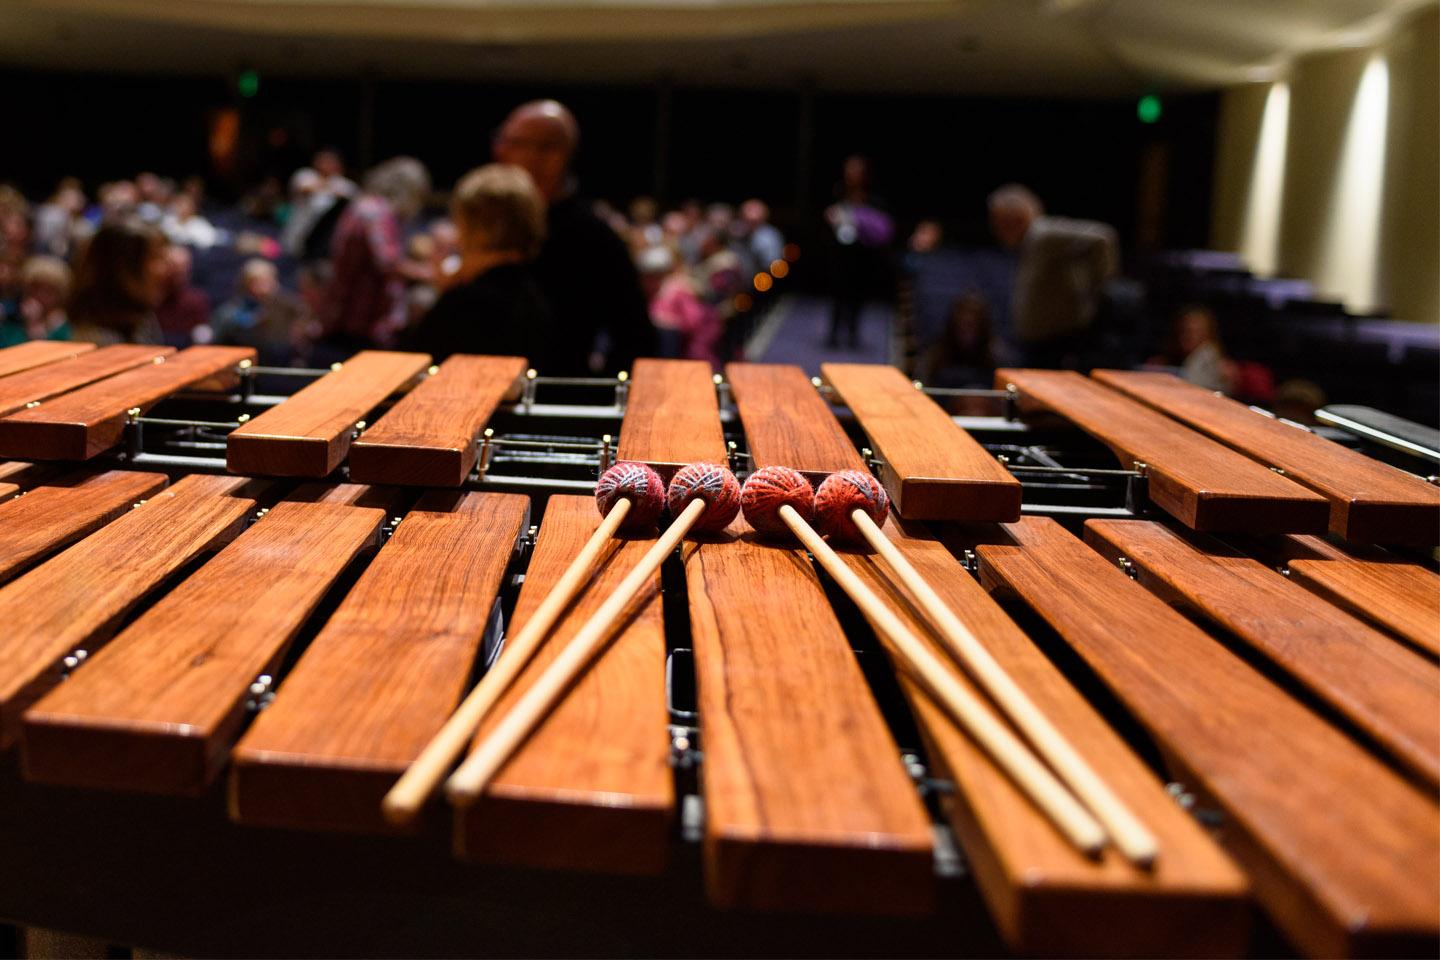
<point x="848" y="505"/>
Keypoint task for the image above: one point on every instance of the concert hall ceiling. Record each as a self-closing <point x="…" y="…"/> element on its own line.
<point x="1051" y="47"/>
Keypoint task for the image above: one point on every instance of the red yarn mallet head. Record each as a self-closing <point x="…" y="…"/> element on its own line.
<point x="840" y="495"/>
<point x="713" y="484"/>
<point x="770" y="488"/>
<point x="638" y="483"/>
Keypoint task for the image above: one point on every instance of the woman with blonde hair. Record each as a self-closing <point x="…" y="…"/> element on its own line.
<point x="493" y="304"/>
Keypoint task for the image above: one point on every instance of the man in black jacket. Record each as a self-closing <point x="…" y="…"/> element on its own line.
<point x="584" y="268"/>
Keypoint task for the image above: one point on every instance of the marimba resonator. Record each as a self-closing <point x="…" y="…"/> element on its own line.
<point x="361" y="661"/>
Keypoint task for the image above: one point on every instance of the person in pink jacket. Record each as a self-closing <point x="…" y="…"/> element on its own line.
<point x="685" y="325"/>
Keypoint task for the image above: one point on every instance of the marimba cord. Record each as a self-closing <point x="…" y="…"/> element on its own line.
<point x="1008" y="751"/>
<point x="1131" y="837"/>
<point x="405" y="800"/>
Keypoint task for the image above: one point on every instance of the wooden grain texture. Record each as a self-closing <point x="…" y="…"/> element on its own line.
<point x="56" y="378"/>
<point x="25" y="476"/>
<point x="383" y="674"/>
<point x="1399" y="597"/>
<point x="932" y="468"/>
<point x="1339" y="849"/>
<point x="1201" y="483"/>
<point x="37" y="353"/>
<point x="1385" y="690"/>
<point x="76" y="599"/>
<point x="787" y="423"/>
<point x="91" y="420"/>
<point x="53" y="516"/>
<point x="1370" y="501"/>
<point x="429" y="437"/>
<point x="592" y="788"/>
<point x="353" y="494"/>
<point x="672" y="416"/>
<point x="807" y="806"/>
<point x="157" y="708"/>
<point x="1047" y="897"/>
<point x="310" y="433"/>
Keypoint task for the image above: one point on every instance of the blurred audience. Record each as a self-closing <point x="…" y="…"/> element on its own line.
<point x="524" y="265"/>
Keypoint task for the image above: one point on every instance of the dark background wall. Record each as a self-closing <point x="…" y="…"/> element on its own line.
<point x="933" y="156"/>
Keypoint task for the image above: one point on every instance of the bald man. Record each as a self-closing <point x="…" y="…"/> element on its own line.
<point x="584" y="268"/>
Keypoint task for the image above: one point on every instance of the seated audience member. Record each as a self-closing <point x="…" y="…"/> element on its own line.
<point x="1064" y="266"/>
<point x="307" y="203"/>
<point x="494" y="305"/>
<point x="120" y="278"/>
<point x="1297" y="400"/>
<point x="928" y="237"/>
<point x="644" y="228"/>
<point x="15" y="237"/>
<point x="184" y="225"/>
<point x="56" y="219"/>
<point x="764" y="244"/>
<point x="1195" y="350"/>
<point x="44" y="290"/>
<point x="118" y="200"/>
<point x="331" y="166"/>
<point x="183" y="306"/>
<point x="965" y="354"/>
<point x="584" y="268"/>
<point x="364" y="302"/>
<point x="261" y="315"/>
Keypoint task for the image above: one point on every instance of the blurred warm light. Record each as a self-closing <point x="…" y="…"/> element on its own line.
<point x="778" y="269"/>
<point x="791" y="252"/>
<point x="763" y="282"/>
<point x="1260" y="238"/>
<point x="1350" y="262"/>
<point x="223" y="141"/>
<point x="742" y="303"/>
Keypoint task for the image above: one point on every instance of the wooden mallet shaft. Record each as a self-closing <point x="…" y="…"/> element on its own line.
<point x="1032" y="777"/>
<point x="469" y="782"/>
<point x="1129" y="835"/>
<point x="405" y="800"/>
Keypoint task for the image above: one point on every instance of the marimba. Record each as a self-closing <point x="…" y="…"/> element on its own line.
<point x="238" y="602"/>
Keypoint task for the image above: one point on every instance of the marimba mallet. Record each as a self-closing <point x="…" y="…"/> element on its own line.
<point x="842" y="509"/>
<point x="702" y="497"/>
<point x="630" y="496"/>
<point x="778" y="498"/>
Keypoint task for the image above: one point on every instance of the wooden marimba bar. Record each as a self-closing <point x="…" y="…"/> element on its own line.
<point x="224" y="672"/>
